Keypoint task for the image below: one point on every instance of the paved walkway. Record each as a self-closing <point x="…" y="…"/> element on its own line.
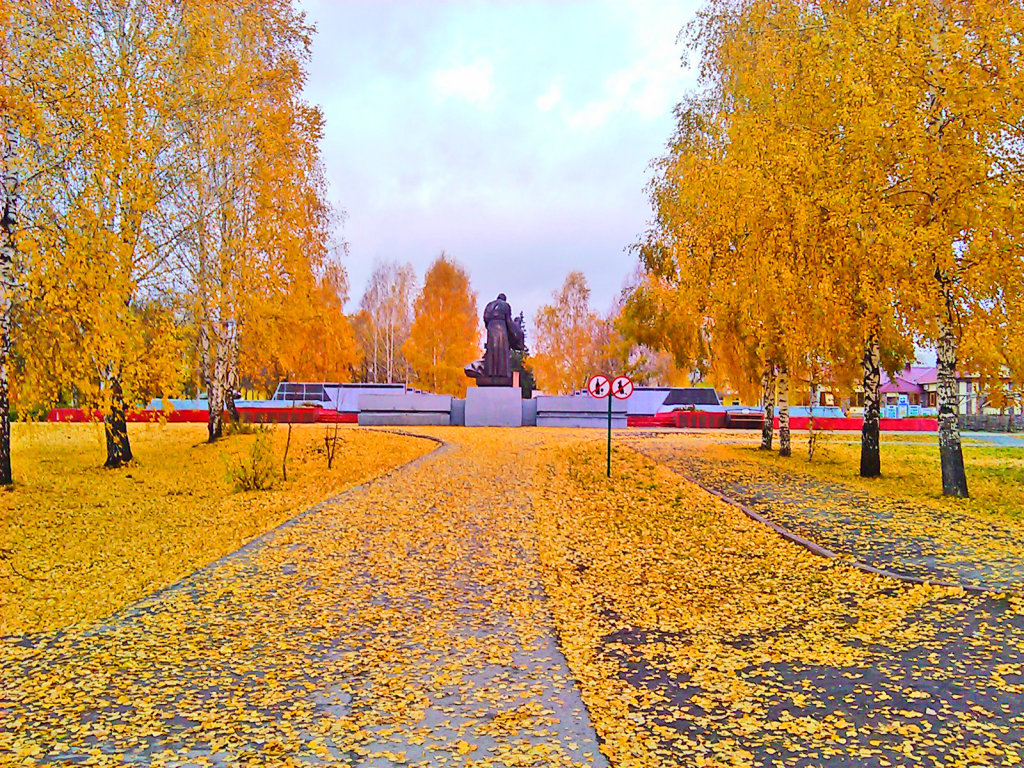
<point x="907" y="676"/>
<point x="400" y="624"/>
<point x="1004" y="439"/>
<point x="892" y="534"/>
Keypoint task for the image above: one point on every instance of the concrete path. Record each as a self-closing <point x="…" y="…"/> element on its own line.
<point x="907" y="675"/>
<point x="400" y="624"/>
<point x="952" y="546"/>
<point x="1004" y="439"/>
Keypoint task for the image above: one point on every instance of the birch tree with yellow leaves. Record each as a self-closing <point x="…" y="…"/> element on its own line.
<point x="445" y="333"/>
<point x="303" y="333"/>
<point x="569" y="339"/>
<point x="385" y="320"/>
<point x="253" y="195"/>
<point x="18" y="77"/>
<point x="99" y="261"/>
<point x="41" y="131"/>
<point x="956" y="193"/>
<point x="860" y="195"/>
<point x="171" y="175"/>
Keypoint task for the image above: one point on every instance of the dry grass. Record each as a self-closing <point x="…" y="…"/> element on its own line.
<point x="81" y="541"/>
<point x="910" y="467"/>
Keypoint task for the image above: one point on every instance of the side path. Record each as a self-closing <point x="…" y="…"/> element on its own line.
<point x="400" y="624"/>
<point x="890" y="534"/>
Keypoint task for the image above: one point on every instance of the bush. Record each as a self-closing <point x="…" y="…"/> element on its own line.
<point x="254" y="471"/>
<point x="241" y="427"/>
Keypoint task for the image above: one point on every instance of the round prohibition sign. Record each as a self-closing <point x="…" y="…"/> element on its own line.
<point x="622" y="387"/>
<point x="599" y="385"/>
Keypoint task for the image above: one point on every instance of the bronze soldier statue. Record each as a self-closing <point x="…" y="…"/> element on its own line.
<point x="503" y="335"/>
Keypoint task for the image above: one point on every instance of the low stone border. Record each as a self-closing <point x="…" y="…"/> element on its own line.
<point x="820" y="550"/>
<point x="142" y="603"/>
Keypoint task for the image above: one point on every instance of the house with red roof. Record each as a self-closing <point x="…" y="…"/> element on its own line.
<point x="914" y="385"/>
<point x="914" y="391"/>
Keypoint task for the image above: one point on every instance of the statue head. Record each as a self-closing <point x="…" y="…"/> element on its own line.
<point x="501" y="297"/>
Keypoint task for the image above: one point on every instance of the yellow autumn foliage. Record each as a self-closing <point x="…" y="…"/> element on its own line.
<point x="445" y="334"/>
<point x="81" y="541"/>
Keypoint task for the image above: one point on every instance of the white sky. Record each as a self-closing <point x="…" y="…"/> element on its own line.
<point x="514" y="135"/>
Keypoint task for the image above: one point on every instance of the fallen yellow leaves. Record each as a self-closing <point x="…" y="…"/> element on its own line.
<point x="405" y="623"/>
<point x="401" y="624"/>
<point x="701" y="637"/>
<point x="84" y="540"/>
<point x="910" y="466"/>
<point x="891" y="523"/>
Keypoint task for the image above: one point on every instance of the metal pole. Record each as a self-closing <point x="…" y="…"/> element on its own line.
<point x="609" y="432"/>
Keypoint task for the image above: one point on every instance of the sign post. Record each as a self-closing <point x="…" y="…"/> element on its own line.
<point x="609" y="469"/>
<point x="620" y="388"/>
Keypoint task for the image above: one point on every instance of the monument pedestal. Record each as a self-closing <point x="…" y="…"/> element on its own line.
<point x="494" y="407"/>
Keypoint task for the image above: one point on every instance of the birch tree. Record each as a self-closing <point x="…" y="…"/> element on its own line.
<point x="253" y="191"/>
<point x="959" y="76"/>
<point x="872" y="152"/>
<point x="569" y="338"/>
<point x="386" y="315"/>
<point x="445" y="333"/>
<point x="96" y="88"/>
<point x="40" y="128"/>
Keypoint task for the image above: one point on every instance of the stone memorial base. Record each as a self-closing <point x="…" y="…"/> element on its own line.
<point x="405" y="410"/>
<point x="494" y="381"/>
<point x="458" y="412"/>
<point x="579" y="411"/>
<point x="494" y="407"/>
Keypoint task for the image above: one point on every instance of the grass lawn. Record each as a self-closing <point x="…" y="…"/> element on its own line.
<point x="910" y="466"/>
<point x="80" y="541"/>
<point x="995" y="474"/>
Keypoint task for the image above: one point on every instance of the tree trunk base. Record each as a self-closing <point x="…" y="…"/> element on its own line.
<point x="119" y="449"/>
<point x="870" y="458"/>
<point x="954" y="475"/>
<point x="6" y="476"/>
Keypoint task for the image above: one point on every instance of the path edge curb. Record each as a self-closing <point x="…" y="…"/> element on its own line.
<point x="819" y="550"/>
<point x="141" y="603"/>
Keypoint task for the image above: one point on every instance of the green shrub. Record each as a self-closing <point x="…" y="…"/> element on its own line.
<point x="242" y="427"/>
<point x="254" y="470"/>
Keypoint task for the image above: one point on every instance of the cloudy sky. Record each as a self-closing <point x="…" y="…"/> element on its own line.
<point x="514" y="135"/>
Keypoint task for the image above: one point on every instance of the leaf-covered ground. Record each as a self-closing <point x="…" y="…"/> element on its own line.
<point x="700" y="637"/>
<point x="893" y="523"/>
<point x="81" y="541"/>
<point x="910" y="464"/>
<point x="413" y="621"/>
<point x="402" y="624"/>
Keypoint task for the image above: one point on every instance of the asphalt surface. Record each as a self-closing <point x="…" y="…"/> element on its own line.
<point x="399" y="624"/>
<point x="888" y="533"/>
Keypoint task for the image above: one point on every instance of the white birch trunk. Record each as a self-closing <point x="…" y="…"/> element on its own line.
<point x="870" y="451"/>
<point x="217" y="380"/>
<point x="954" y="475"/>
<point x="768" y="404"/>
<point x="785" y="447"/>
<point x="8" y="286"/>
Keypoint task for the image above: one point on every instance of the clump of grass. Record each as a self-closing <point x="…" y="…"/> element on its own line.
<point x="254" y="470"/>
<point x="244" y="428"/>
